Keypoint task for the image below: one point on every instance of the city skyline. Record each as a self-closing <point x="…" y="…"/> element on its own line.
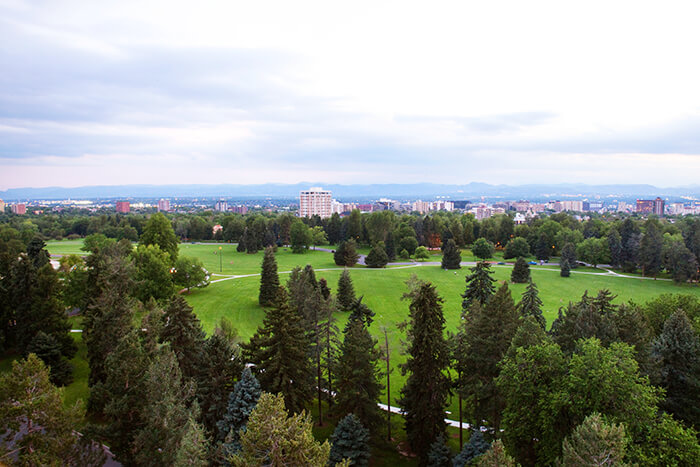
<point x="227" y="93"/>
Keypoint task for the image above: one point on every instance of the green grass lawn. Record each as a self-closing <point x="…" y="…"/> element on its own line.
<point x="65" y="247"/>
<point x="236" y="298"/>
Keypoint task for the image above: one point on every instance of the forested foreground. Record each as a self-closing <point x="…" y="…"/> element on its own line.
<point x="609" y="382"/>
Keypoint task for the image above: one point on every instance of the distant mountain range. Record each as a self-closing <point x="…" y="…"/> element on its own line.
<point x="472" y="191"/>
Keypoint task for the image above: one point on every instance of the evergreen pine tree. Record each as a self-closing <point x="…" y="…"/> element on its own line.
<point x="650" y="257"/>
<point x="350" y="255"/>
<point x="328" y="331"/>
<point x="34" y="418"/>
<point x="108" y="319"/>
<point x="595" y="442"/>
<point x="219" y="367"/>
<point x="350" y="440"/>
<point x="358" y="385"/>
<point x="424" y="395"/>
<point x="521" y="271"/>
<point x="565" y="268"/>
<point x="47" y="348"/>
<point x="496" y="456"/>
<point x="677" y="351"/>
<point x="390" y="246"/>
<point x="531" y="305"/>
<point x="542" y="248"/>
<point x="568" y="252"/>
<point x="36" y="251"/>
<point x="323" y="287"/>
<point x="168" y="404"/>
<point x="490" y="331"/>
<point x="276" y="439"/>
<point x="249" y="241"/>
<point x="377" y="257"/>
<point x="476" y="446"/>
<point x="240" y="248"/>
<point x="184" y="332"/>
<point x="615" y="247"/>
<point x="241" y="403"/>
<point x="122" y="395"/>
<point x="192" y="450"/>
<point x="451" y="257"/>
<point x="439" y="454"/>
<point x="269" y="281"/>
<point x="346" y="291"/>
<point x="339" y="254"/>
<point x="280" y="352"/>
<point x="479" y="285"/>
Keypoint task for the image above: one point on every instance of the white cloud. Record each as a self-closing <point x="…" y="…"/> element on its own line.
<point x="393" y="91"/>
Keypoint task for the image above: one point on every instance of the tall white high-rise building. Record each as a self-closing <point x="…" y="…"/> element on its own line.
<point x="315" y="202"/>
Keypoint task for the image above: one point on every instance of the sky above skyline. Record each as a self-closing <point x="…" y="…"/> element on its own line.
<point x="97" y="93"/>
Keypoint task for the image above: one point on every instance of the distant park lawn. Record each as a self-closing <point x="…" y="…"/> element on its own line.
<point x="236" y="298"/>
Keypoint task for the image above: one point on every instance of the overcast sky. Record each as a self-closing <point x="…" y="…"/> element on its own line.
<point x="101" y="93"/>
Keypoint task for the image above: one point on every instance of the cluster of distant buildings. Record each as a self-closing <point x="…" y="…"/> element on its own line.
<point x="319" y="202"/>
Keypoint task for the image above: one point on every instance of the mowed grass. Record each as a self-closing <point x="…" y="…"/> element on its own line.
<point x="237" y="298"/>
<point x="65" y="247"/>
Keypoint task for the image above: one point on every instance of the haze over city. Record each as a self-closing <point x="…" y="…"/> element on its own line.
<point x="222" y="92"/>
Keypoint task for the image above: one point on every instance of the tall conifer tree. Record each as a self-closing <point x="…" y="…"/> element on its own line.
<point x="269" y="281"/>
<point x="531" y="305"/>
<point x="185" y="334"/>
<point x="346" y="291"/>
<point x="479" y="285"/>
<point x="358" y="384"/>
<point x="424" y="395"/>
<point x="280" y="352"/>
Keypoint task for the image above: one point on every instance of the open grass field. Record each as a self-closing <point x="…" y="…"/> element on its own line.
<point x="236" y="297"/>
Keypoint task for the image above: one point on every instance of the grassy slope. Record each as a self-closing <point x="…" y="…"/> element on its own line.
<point x="237" y="298"/>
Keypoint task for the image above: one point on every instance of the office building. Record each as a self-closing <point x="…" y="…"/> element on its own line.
<point x="20" y="208"/>
<point x="123" y="207"/>
<point x="651" y="206"/>
<point x="315" y="202"/>
<point x="221" y="206"/>
<point x="164" y="205"/>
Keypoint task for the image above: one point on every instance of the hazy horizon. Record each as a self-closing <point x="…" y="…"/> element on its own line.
<point x="510" y="93"/>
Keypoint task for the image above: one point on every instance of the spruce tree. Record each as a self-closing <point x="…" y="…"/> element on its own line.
<point x="48" y="349"/>
<point x="269" y="281"/>
<point x="568" y="252"/>
<point x="358" y="385"/>
<point x="531" y="305"/>
<point x="677" y="351"/>
<point x="521" y="271"/>
<point x="476" y="446"/>
<point x="479" y="285"/>
<point x="350" y="440"/>
<point x="219" y="367"/>
<point x="439" y="454"/>
<point x="241" y="403"/>
<point x="346" y="291"/>
<point x="451" y="257"/>
<point x="615" y="247"/>
<point x="122" y="395"/>
<point x="377" y="257"/>
<point x="346" y="253"/>
<point x="424" y="396"/>
<point x="390" y="246"/>
<point x="490" y="331"/>
<point x="108" y="318"/>
<point x="565" y="268"/>
<point x="280" y="352"/>
<point x="323" y="287"/>
<point x="542" y="248"/>
<point x="184" y="332"/>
